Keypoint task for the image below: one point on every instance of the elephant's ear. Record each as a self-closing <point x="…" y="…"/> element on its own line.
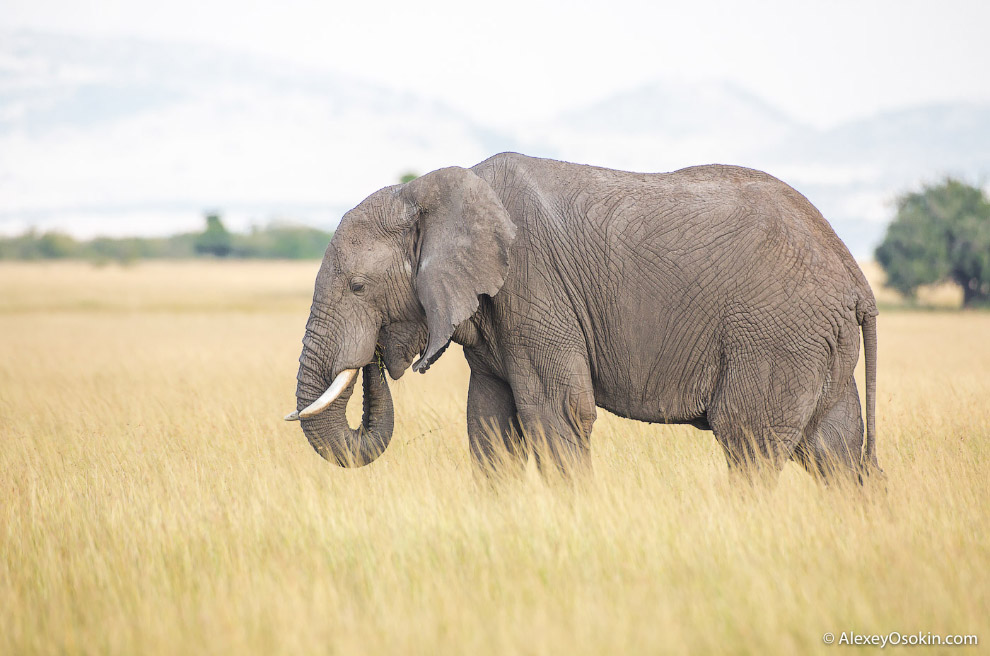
<point x="460" y="250"/>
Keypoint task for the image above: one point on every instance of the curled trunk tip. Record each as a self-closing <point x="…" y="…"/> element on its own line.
<point x="328" y="431"/>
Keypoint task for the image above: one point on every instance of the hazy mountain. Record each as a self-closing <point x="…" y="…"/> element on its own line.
<point x="853" y="172"/>
<point x="126" y="136"/>
<point x="666" y="125"/>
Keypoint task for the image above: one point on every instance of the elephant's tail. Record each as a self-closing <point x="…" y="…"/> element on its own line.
<point x="869" y="460"/>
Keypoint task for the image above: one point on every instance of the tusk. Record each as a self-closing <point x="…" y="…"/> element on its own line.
<point x="292" y="416"/>
<point x="339" y="384"/>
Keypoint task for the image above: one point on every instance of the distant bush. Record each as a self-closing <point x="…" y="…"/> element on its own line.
<point x="34" y="246"/>
<point x="129" y="249"/>
<point x="278" y="241"/>
<point x="282" y="241"/>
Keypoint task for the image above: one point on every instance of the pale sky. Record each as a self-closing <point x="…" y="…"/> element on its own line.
<point x="522" y="60"/>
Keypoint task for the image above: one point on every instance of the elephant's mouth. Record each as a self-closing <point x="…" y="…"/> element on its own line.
<point x="399" y="344"/>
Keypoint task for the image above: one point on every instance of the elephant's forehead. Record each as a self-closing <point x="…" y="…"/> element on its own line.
<point x="358" y="240"/>
<point x="372" y="219"/>
<point x="355" y="228"/>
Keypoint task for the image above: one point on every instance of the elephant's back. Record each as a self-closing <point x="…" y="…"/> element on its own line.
<point x="775" y="230"/>
<point x="733" y="226"/>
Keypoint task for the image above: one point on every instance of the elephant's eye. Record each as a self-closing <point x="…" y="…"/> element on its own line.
<point x="357" y="287"/>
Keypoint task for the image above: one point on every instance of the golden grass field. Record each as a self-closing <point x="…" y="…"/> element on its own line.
<point x="153" y="500"/>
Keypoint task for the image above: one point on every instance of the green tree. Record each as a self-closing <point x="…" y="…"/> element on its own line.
<point x="939" y="234"/>
<point x="408" y="176"/>
<point x="215" y="240"/>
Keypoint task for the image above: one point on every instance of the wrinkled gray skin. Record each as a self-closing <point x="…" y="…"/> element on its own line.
<point x="715" y="296"/>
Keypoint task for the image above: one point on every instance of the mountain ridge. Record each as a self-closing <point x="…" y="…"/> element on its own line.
<point x="90" y="128"/>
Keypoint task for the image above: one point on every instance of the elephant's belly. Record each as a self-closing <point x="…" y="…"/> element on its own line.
<point x="658" y="375"/>
<point x="632" y="405"/>
<point x="659" y="360"/>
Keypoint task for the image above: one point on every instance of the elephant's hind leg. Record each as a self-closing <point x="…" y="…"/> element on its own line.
<point x="759" y="410"/>
<point x="832" y="447"/>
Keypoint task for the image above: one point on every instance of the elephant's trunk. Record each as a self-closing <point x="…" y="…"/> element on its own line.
<point x="330" y="434"/>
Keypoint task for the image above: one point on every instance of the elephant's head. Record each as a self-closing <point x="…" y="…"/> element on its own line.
<point x="403" y="269"/>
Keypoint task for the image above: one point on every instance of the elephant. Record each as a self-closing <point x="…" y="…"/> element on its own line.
<point x="715" y="296"/>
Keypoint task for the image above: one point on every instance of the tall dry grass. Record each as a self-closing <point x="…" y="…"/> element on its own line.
<point x="154" y="502"/>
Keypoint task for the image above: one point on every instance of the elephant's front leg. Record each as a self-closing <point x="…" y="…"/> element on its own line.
<point x="556" y="413"/>
<point x="493" y="427"/>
